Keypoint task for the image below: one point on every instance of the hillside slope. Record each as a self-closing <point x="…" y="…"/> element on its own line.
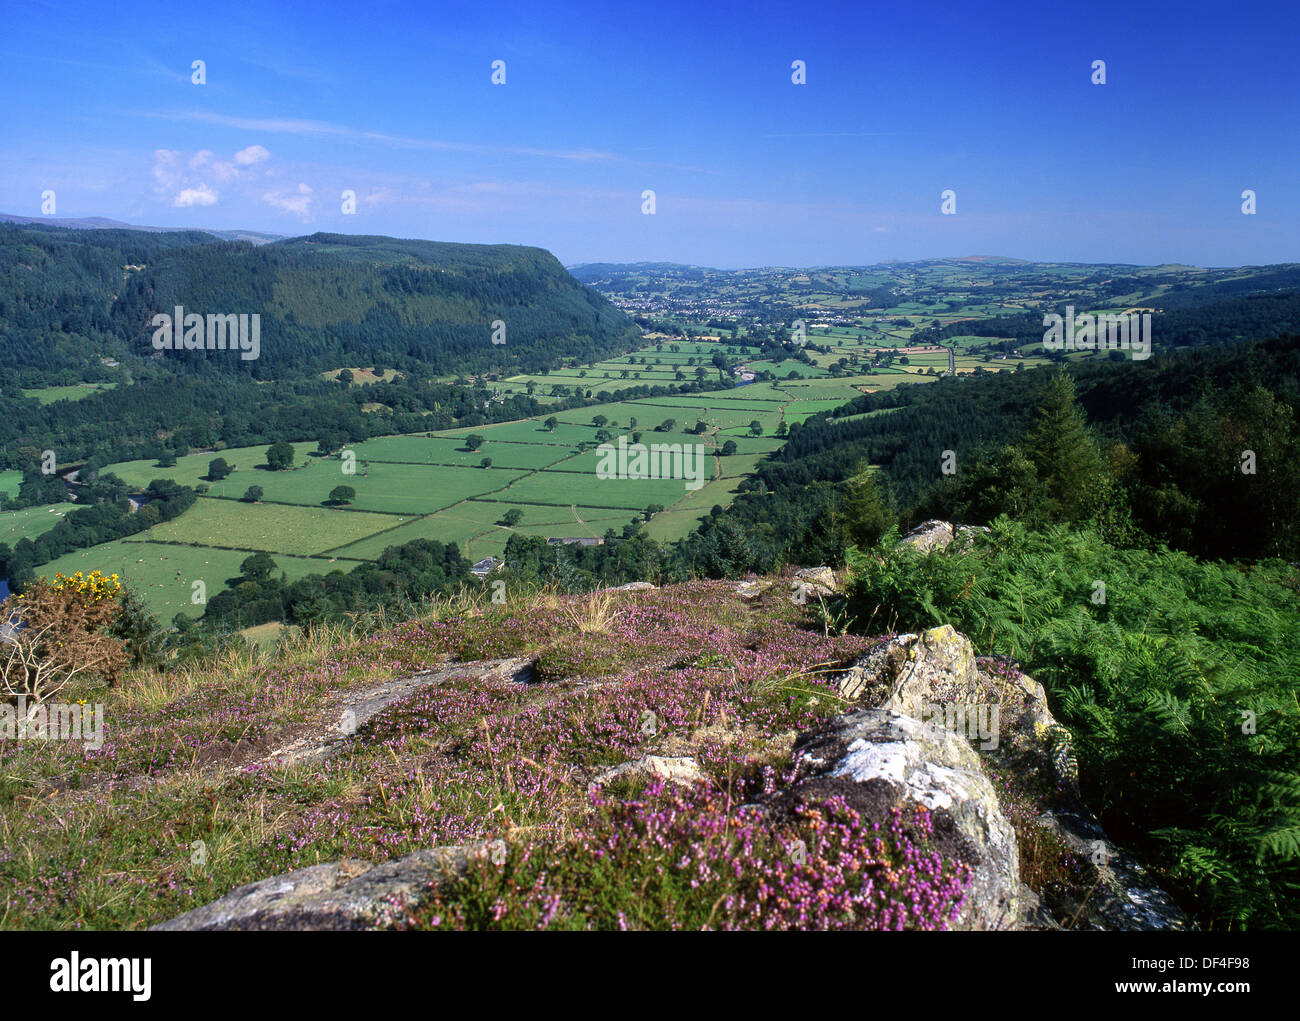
<point x="673" y="758"/>
<point x="69" y="298"/>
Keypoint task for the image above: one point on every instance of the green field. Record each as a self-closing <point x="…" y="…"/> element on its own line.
<point x="164" y="575"/>
<point x="192" y="469"/>
<point x="379" y="485"/>
<point x="431" y="486"/>
<point x="10" y="480"/>
<point x="411" y="484"/>
<point x="50" y="394"/>
<point x="32" y="522"/>
<point x="561" y="490"/>
<point x="473" y="526"/>
<point x="422" y="449"/>
<point x="532" y="430"/>
<point x="273" y="527"/>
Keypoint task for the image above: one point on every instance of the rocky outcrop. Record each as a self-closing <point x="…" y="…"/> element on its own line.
<point x="814" y="581"/>
<point x="347" y="894"/>
<point x="933" y="535"/>
<point x="935" y="683"/>
<point x="359" y="708"/>
<point x="808" y="583"/>
<point x="681" y="769"/>
<point x="879" y="759"/>
<point x="936" y="678"/>
<point x="929" y="535"/>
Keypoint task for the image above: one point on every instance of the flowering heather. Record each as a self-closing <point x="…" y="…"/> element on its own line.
<point x="693" y="859"/>
<point x="109" y="843"/>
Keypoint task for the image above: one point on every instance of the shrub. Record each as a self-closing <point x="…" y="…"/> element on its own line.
<point x="58" y="632"/>
<point x="141" y="634"/>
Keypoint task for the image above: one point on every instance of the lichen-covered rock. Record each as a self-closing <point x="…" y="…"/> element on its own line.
<point x="929" y="535"/>
<point x="869" y="679"/>
<point x="935" y="680"/>
<point x="912" y="673"/>
<point x="939" y="669"/>
<point x="682" y="769"/>
<point x="936" y="677"/>
<point x="634" y="586"/>
<point x="894" y="760"/>
<point x="821" y="575"/>
<point x="347" y="894"/>
<point x="815" y="581"/>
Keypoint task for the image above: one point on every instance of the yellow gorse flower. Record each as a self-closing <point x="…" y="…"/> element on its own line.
<point x="95" y="585"/>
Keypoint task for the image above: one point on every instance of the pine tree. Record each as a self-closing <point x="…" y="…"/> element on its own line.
<point x="866" y="511"/>
<point x="1064" y="455"/>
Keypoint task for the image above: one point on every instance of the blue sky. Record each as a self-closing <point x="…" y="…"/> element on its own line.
<point x="692" y="100"/>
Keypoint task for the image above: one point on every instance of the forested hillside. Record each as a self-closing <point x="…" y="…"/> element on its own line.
<point x="57" y="289"/>
<point x="71" y="299"/>
<point x="76" y="307"/>
<point x="1172" y="431"/>
<point x="330" y="300"/>
<point x="1211" y="314"/>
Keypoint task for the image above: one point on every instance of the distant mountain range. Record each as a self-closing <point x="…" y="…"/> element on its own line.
<point x="587" y="271"/>
<point x="257" y="237"/>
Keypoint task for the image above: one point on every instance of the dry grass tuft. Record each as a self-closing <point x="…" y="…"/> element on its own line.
<point x="592" y="614"/>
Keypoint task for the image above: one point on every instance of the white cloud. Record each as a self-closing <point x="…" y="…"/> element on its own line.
<point x="252" y="154"/>
<point x="166" y="169"/>
<point x="199" y="196"/>
<point x="182" y="180"/>
<point x="298" y="203"/>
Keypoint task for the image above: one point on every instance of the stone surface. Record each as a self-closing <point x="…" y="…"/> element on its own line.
<point x="934" y="679"/>
<point x="929" y="535"/>
<point x="348" y="894"/>
<point x="815" y="581"/>
<point x="361" y="707"/>
<point x="939" y="668"/>
<point x="896" y="760"/>
<point x="869" y="679"/>
<point x="930" y="675"/>
<point x="677" y="769"/>
<point x="1124" y="898"/>
<point x="933" y="535"/>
